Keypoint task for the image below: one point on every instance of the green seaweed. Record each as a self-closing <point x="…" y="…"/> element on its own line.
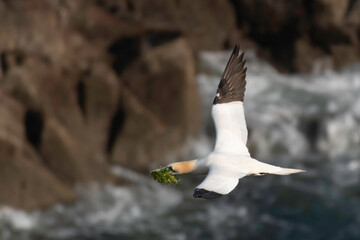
<point x="164" y="175"/>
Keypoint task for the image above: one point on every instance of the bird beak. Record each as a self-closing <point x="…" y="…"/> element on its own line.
<point x="172" y="171"/>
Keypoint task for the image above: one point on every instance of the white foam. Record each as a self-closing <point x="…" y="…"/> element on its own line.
<point x="18" y="219"/>
<point x="111" y="208"/>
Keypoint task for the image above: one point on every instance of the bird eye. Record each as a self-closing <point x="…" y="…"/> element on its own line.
<point x="171" y="169"/>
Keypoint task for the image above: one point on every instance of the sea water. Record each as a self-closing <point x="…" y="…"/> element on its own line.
<point x="307" y="121"/>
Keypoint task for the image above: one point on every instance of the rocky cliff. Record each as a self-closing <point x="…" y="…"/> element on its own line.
<point x="302" y="35"/>
<point x="86" y="84"/>
<point x="89" y="83"/>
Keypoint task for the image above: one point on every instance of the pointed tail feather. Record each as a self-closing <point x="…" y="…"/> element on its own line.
<point x="260" y="168"/>
<point x="287" y="171"/>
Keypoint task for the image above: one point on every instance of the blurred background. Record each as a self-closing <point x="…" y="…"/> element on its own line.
<point x="96" y="93"/>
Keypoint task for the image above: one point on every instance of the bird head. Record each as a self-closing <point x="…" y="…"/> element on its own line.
<point x="181" y="167"/>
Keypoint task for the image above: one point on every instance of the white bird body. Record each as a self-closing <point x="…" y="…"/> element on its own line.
<point x="231" y="131"/>
<point x="230" y="160"/>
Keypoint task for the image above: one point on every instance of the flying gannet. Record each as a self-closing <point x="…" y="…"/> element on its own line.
<point x="230" y="160"/>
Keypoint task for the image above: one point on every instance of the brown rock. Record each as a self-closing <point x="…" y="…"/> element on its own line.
<point x="205" y="24"/>
<point x="101" y="97"/>
<point x="71" y="148"/>
<point x="138" y="135"/>
<point x="308" y="57"/>
<point x="287" y="30"/>
<point x="28" y="185"/>
<point x="353" y="17"/>
<point x="11" y="127"/>
<point x="24" y="181"/>
<point x="271" y="22"/>
<point x="164" y="81"/>
<point x="274" y="25"/>
<point x="344" y="55"/>
<point x="144" y="140"/>
<point x="69" y="160"/>
<point x="162" y="109"/>
<point x="329" y="12"/>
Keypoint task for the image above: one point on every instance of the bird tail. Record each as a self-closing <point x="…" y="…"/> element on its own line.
<point x="287" y="171"/>
<point x="264" y="168"/>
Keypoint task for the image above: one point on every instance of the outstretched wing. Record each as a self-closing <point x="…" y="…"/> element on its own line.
<point x="232" y="84"/>
<point x="228" y="110"/>
<point x="216" y="184"/>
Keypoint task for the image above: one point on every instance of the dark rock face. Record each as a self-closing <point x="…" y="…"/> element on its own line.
<point x="156" y="118"/>
<point x="205" y="24"/>
<point x="301" y="35"/>
<point x="86" y="84"/>
<point x="25" y="181"/>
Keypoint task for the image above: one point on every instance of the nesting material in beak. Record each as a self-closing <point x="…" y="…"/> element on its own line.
<point x="164" y="175"/>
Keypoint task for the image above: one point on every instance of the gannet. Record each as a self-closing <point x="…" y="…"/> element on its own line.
<point x="230" y="159"/>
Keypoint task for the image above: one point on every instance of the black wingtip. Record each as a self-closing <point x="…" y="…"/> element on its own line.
<point x="241" y="57"/>
<point x="202" y="193"/>
<point x="232" y="84"/>
<point x="236" y="49"/>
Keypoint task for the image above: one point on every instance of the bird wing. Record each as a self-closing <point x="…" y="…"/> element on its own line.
<point x="216" y="184"/>
<point x="228" y="109"/>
